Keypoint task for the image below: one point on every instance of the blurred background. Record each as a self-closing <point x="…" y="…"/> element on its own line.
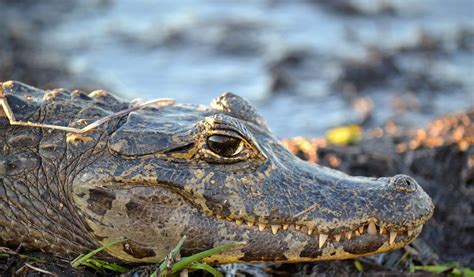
<point x="307" y="65"/>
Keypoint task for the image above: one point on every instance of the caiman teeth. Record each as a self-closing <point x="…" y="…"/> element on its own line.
<point x="348" y="234"/>
<point x="370" y="227"/>
<point x="322" y="239"/>
<point x="393" y="236"/>
<point x="275" y="229"/>
<point x="372" y="230"/>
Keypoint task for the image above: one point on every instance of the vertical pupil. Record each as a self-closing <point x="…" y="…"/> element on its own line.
<point x="223" y="145"/>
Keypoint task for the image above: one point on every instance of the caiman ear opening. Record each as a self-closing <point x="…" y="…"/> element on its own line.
<point x="238" y="107"/>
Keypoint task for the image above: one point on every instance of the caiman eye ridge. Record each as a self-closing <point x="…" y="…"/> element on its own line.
<point x="370" y="228"/>
<point x="225" y="146"/>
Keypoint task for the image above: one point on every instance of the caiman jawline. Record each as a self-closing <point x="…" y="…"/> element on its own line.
<point x="372" y="227"/>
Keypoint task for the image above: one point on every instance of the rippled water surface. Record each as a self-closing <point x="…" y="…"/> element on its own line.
<point x="194" y="50"/>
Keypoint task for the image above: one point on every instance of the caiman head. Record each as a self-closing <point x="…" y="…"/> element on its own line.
<point x="217" y="175"/>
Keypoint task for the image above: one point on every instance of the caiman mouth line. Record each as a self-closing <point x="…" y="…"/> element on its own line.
<point x="368" y="228"/>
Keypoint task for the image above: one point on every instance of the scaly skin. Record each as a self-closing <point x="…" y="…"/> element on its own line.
<point x="157" y="174"/>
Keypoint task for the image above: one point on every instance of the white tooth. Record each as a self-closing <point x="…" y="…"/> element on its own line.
<point x="356" y="232"/>
<point x="250" y="223"/>
<point x="381" y="230"/>
<point x="410" y="232"/>
<point x="393" y="236"/>
<point x="297" y="227"/>
<point x="372" y="228"/>
<point x="239" y="222"/>
<point x="275" y="229"/>
<point x="285" y="226"/>
<point x="349" y="234"/>
<point x="261" y="227"/>
<point x="361" y="230"/>
<point x="310" y="231"/>
<point x="322" y="239"/>
<point x="337" y="237"/>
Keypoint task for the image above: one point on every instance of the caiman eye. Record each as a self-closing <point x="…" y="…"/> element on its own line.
<point x="225" y="146"/>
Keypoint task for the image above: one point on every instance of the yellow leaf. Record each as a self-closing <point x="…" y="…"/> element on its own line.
<point x="344" y="135"/>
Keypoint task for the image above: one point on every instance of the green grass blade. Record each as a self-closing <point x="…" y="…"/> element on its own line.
<point x="468" y="272"/>
<point x="91" y="265"/>
<point x="207" y="268"/>
<point x="83" y="258"/>
<point x="108" y="265"/>
<point x="452" y="269"/>
<point x="358" y="265"/>
<point x="185" y="262"/>
<point x="172" y="254"/>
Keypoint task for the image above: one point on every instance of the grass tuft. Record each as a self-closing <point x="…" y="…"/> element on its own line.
<point x="96" y="264"/>
<point x="170" y="265"/>
<point x="194" y="262"/>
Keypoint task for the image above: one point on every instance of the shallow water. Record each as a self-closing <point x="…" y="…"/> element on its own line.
<point x="194" y="50"/>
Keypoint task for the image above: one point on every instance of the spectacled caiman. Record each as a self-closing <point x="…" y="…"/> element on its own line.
<point x="213" y="173"/>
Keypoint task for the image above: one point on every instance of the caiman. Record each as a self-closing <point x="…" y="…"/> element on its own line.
<point x="213" y="173"/>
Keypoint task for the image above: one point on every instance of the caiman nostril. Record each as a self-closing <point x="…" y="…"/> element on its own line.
<point x="403" y="183"/>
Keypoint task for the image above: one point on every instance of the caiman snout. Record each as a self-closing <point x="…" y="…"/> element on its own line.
<point x="403" y="183"/>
